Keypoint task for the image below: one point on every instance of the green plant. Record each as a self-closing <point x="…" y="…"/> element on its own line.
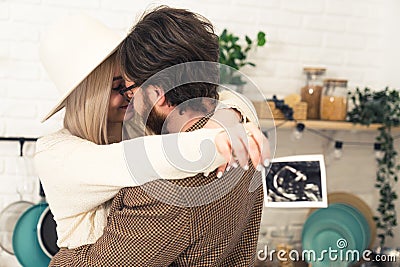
<point x="233" y="54"/>
<point x="381" y="107"/>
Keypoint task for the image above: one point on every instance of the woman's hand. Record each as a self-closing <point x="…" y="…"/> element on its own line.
<point x="241" y="142"/>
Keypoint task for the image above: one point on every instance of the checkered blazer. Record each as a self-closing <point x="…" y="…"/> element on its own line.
<point x="215" y="223"/>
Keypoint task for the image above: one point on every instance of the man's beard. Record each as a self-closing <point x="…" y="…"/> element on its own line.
<point x="155" y="120"/>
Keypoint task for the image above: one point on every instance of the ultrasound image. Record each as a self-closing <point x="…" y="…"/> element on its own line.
<point x="294" y="181"/>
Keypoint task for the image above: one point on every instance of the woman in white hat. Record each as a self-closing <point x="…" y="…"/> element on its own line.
<point x="82" y="166"/>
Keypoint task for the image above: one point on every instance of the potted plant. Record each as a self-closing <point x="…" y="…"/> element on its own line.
<point x="234" y="55"/>
<point x="381" y="107"/>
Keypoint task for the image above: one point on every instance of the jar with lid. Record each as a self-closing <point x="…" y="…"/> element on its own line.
<point x="334" y="100"/>
<point x="311" y="92"/>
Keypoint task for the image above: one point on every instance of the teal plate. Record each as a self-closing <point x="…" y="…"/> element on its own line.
<point x="25" y="240"/>
<point x="337" y="228"/>
<point x="321" y="236"/>
<point x="365" y="235"/>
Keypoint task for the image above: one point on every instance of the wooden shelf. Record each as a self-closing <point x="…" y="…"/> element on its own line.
<point x="322" y="125"/>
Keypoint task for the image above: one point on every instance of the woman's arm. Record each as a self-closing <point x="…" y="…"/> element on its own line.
<point x="240" y="103"/>
<point x="86" y="175"/>
<point x="74" y="167"/>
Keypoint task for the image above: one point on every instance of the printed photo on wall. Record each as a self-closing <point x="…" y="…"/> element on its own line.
<point x="296" y="182"/>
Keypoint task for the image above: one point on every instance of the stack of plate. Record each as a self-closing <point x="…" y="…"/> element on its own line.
<point x="338" y="235"/>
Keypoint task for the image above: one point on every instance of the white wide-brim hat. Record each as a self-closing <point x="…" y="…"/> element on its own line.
<point x="72" y="49"/>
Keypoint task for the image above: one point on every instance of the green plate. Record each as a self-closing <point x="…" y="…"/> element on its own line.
<point x="362" y="225"/>
<point x="25" y="240"/>
<point x="338" y="229"/>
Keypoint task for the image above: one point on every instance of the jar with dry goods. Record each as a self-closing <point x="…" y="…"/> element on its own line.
<point x="334" y="100"/>
<point x="311" y="92"/>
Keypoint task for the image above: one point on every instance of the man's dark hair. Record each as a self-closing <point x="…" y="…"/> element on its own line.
<point x="166" y="37"/>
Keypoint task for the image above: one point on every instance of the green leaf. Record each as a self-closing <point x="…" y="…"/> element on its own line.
<point x="222" y="55"/>
<point x="260" y="35"/>
<point x="223" y="34"/>
<point x="261" y="42"/>
<point x="248" y="40"/>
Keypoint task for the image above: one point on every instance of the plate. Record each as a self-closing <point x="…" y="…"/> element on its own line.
<point x="47" y="233"/>
<point x="25" y="241"/>
<point x="339" y="227"/>
<point x="362" y="224"/>
<point x="360" y="205"/>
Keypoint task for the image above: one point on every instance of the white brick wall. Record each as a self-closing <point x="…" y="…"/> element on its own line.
<point x="350" y="38"/>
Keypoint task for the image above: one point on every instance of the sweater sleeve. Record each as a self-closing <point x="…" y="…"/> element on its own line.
<point x="239" y="102"/>
<point x="87" y="175"/>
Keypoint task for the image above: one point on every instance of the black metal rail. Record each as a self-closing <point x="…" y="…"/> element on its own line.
<point x="21" y="141"/>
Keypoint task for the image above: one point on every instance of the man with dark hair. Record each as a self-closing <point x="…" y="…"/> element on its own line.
<point x="197" y="221"/>
<point x="164" y="38"/>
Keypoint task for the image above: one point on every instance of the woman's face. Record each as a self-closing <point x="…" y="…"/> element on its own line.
<point x="118" y="103"/>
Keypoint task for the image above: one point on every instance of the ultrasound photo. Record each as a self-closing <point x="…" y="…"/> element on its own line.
<point x="297" y="181"/>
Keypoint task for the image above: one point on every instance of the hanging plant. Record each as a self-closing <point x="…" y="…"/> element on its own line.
<point x="381" y="107"/>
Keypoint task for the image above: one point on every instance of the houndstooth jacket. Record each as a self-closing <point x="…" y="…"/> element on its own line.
<point x="197" y="221"/>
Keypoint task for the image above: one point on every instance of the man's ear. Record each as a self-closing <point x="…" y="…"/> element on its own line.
<point x="157" y="96"/>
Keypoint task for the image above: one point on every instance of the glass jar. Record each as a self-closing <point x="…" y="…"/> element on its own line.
<point x="281" y="241"/>
<point x="334" y="100"/>
<point x="311" y="92"/>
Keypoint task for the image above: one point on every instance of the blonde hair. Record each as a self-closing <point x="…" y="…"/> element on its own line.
<point x="86" y="108"/>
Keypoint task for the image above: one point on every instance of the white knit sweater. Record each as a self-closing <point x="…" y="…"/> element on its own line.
<point x="80" y="178"/>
